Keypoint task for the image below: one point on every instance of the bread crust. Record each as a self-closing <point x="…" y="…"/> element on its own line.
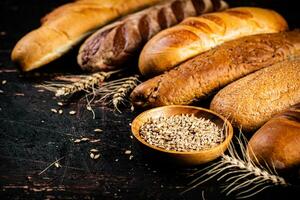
<point x="208" y="72"/>
<point x="113" y="45"/>
<point x="277" y="143"/>
<point x="251" y="101"/>
<point x="66" y="26"/>
<point x="198" y="34"/>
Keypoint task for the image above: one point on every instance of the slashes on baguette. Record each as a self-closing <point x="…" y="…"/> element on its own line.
<point x="66" y="26"/>
<point x="113" y="45"/>
<point x="198" y="34"/>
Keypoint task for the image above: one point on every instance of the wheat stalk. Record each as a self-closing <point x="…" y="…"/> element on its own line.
<point x="78" y="83"/>
<point x="114" y="92"/>
<point x="242" y="175"/>
<point x="121" y="93"/>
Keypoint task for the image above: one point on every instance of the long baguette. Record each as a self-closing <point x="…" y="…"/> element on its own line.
<point x="200" y="76"/>
<point x="277" y="142"/>
<point x="114" y="44"/>
<point x="68" y="25"/>
<point x="198" y="34"/>
<point x="251" y="101"/>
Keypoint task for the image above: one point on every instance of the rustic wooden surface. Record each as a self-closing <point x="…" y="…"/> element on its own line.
<point x="32" y="137"/>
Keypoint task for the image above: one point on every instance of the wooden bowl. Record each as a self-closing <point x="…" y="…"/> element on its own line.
<point x="183" y="158"/>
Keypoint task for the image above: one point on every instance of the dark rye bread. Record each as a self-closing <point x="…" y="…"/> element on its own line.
<point x="114" y="44"/>
<point x="277" y="142"/>
<point x="253" y="100"/>
<point x="212" y="70"/>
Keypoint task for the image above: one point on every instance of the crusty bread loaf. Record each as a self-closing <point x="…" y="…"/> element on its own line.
<point x="277" y="143"/>
<point x="200" y="76"/>
<point x="112" y="45"/>
<point x="66" y="26"/>
<point x="197" y="34"/>
<point x="251" y="101"/>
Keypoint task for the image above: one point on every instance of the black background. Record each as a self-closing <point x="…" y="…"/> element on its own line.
<point x="32" y="137"/>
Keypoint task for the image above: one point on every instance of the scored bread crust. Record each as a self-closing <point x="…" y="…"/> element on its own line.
<point x="251" y="101"/>
<point x="113" y="45"/>
<point x="198" y="34"/>
<point x="201" y="76"/>
<point x="67" y="25"/>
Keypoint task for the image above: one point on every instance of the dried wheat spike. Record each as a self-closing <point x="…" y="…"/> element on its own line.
<point x="114" y="92"/>
<point x="121" y="93"/>
<point x="87" y="82"/>
<point x="242" y="176"/>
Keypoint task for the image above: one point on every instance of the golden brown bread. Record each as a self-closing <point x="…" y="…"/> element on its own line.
<point x="200" y="76"/>
<point x="66" y="26"/>
<point x="251" y="101"/>
<point x="198" y="34"/>
<point x="277" y="142"/>
<point x="112" y="45"/>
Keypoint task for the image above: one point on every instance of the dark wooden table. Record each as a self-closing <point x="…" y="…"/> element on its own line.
<point x="32" y="137"/>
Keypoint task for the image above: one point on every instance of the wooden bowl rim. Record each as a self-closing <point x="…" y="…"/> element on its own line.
<point x="225" y="143"/>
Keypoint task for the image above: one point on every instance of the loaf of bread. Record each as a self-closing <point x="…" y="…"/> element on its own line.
<point x="277" y="143"/>
<point x="206" y="73"/>
<point x="254" y="99"/>
<point x="68" y="25"/>
<point x="198" y="34"/>
<point x="112" y="45"/>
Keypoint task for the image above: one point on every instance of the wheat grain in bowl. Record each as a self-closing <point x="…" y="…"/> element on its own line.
<point x="182" y="133"/>
<point x="185" y="134"/>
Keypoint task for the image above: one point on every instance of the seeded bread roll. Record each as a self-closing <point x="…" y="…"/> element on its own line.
<point x="198" y="34"/>
<point x="112" y="45"/>
<point x="251" y="101"/>
<point x="208" y="72"/>
<point x="68" y="25"/>
<point x="277" y="142"/>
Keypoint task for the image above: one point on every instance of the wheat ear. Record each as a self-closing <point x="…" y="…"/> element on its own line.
<point x="121" y="93"/>
<point x="242" y="176"/>
<point x="77" y="83"/>
<point x="114" y="92"/>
